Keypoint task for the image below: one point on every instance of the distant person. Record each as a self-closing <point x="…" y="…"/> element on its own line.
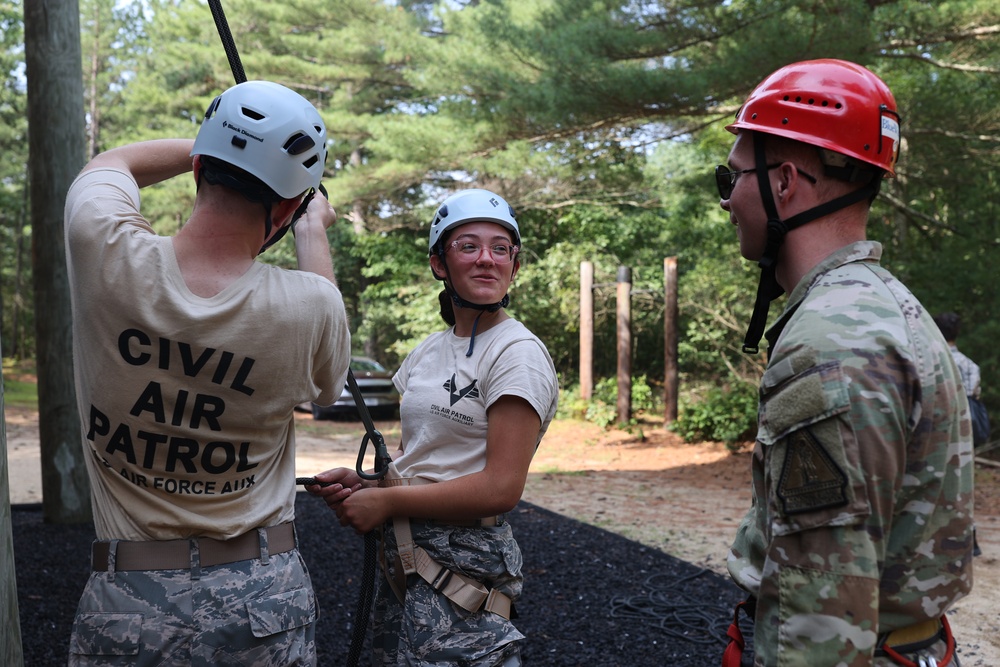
<point x="859" y="538"/>
<point x="476" y="401"/>
<point x="190" y="357"/>
<point x="950" y="325"/>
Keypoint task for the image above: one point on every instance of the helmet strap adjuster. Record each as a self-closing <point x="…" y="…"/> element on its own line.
<point x="768" y="288"/>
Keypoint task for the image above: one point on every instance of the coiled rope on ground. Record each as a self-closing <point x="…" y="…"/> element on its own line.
<point x="665" y="604"/>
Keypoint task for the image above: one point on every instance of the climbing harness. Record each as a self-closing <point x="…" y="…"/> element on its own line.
<point x="464" y="591"/>
<point x="733" y="654"/>
<point x="913" y="640"/>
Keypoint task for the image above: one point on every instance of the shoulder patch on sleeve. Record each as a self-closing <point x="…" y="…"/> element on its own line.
<point x="810" y="478"/>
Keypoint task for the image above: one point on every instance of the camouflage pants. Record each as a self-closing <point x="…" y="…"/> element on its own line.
<point x="244" y="613"/>
<point x="427" y="629"/>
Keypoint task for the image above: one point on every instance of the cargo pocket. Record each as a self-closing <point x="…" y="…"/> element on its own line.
<point x="809" y="448"/>
<point x="284" y="611"/>
<point x="105" y="633"/>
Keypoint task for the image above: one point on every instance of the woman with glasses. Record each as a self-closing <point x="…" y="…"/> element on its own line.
<point x="476" y="401"/>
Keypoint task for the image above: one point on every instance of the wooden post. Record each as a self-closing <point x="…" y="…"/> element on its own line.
<point x="586" y="330"/>
<point x="624" y="344"/>
<point x="10" y="632"/>
<point x="671" y="383"/>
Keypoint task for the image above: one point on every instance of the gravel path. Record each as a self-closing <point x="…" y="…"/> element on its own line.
<point x="590" y="596"/>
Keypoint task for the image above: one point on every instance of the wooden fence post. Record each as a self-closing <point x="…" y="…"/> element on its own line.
<point x="586" y="330"/>
<point x="671" y="383"/>
<point x="624" y="344"/>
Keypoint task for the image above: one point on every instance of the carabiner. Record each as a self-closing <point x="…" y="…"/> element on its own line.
<point x="372" y="434"/>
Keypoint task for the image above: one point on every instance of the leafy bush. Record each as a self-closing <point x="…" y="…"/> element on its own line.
<point x="602" y="409"/>
<point x="724" y="415"/>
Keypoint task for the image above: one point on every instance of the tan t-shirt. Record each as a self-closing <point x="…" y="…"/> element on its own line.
<point x="446" y="396"/>
<point x="186" y="403"/>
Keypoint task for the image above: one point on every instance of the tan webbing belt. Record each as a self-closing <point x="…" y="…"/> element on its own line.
<point x="464" y="591"/>
<point x="176" y="554"/>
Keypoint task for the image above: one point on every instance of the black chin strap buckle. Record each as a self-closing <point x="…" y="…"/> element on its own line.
<point x="768" y="290"/>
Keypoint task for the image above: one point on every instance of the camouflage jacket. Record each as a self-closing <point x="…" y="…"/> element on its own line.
<point x="861" y="520"/>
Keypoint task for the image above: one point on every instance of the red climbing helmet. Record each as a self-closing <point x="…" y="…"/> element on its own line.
<point x="833" y="104"/>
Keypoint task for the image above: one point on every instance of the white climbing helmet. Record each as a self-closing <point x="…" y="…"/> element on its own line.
<point x="472" y="205"/>
<point x="270" y="132"/>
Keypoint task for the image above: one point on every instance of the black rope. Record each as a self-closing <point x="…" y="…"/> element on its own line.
<point x="227" y="41"/>
<point x="382" y="460"/>
<point x="666" y="606"/>
<point x="368" y="571"/>
<point x="363" y="609"/>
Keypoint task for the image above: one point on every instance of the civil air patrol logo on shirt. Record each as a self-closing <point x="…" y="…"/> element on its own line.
<point x="457" y="393"/>
<point x="810" y="479"/>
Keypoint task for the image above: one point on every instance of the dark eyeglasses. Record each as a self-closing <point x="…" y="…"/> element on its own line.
<point x="725" y="178"/>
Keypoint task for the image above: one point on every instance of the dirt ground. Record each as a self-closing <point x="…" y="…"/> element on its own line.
<point x="686" y="500"/>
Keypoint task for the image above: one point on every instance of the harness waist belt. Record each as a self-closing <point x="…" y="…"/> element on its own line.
<point x="177" y="554"/>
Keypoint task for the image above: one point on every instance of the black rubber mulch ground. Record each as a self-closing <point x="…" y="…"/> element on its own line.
<point x="590" y="598"/>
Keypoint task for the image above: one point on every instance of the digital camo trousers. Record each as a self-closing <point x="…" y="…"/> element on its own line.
<point x="244" y="613"/>
<point x="427" y="629"/>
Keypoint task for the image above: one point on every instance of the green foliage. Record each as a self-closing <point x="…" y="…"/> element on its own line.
<point x="17" y="331"/>
<point x="727" y="415"/>
<point x="20" y="386"/>
<point x="602" y="409"/>
<point x="599" y="121"/>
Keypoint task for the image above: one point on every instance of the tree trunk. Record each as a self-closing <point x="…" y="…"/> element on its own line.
<point x="56" y="145"/>
<point x="624" y="344"/>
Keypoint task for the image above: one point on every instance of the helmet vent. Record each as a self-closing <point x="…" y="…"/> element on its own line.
<point x="810" y="101"/>
<point x="298" y="144"/>
<point x="251" y="114"/>
<point x="212" y="107"/>
<point x="311" y="161"/>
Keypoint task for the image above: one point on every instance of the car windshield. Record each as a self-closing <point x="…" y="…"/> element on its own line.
<point x="368" y="365"/>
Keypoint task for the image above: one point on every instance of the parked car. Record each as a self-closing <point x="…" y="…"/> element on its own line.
<point x="377" y="391"/>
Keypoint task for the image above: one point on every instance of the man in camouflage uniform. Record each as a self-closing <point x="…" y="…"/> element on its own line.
<point x="859" y="538"/>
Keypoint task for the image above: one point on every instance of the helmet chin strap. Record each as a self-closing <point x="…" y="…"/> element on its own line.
<point x="463" y="303"/>
<point x="768" y="288"/>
